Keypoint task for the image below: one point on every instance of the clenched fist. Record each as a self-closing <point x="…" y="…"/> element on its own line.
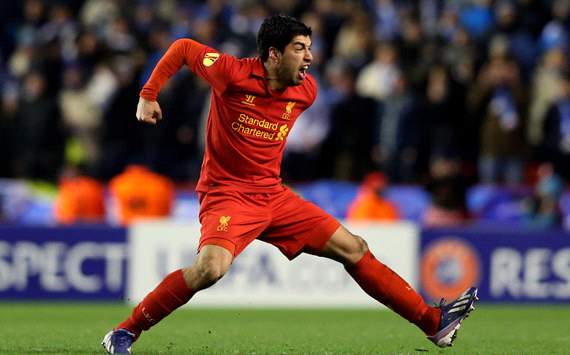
<point x="148" y="111"/>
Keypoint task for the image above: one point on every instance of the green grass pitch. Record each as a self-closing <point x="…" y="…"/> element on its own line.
<point x="59" y="328"/>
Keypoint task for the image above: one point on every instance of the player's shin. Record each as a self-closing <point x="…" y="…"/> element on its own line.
<point x="170" y="294"/>
<point x="387" y="287"/>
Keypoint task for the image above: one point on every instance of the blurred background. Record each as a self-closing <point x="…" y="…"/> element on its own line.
<point x="448" y="118"/>
<point x="461" y="108"/>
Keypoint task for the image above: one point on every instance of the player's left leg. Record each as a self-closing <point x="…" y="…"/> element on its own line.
<point x="299" y="226"/>
<point x="379" y="281"/>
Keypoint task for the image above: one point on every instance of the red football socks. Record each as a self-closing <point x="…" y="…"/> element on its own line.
<point x="170" y="294"/>
<point x="387" y="287"/>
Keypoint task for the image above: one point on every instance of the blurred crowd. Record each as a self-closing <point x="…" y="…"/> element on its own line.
<point x="427" y="91"/>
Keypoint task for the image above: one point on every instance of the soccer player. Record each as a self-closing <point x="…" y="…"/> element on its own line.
<point x="255" y="102"/>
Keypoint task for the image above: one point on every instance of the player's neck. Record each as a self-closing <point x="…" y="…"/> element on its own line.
<point x="271" y="76"/>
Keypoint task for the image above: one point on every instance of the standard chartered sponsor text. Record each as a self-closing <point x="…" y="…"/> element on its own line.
<point x="261" y="127"/>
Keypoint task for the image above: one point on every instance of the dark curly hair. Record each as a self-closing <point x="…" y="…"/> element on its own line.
<point x="277" y="31"/>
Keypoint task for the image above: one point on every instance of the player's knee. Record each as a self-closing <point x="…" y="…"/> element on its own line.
<point x="346" y="248"/>
<point x="208" y="272"/>
<point x="362" y="245"/>
<point x="360" y="250"/>
<point x="355" y="252"/>
<point x="211" y="271"/>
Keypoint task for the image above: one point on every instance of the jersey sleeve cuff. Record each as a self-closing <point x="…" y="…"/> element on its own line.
<point x="148" y="94"/>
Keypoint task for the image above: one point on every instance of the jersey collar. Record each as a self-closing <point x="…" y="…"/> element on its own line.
<point x="258" y="68"/>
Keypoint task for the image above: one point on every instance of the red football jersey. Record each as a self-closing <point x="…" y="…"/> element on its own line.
<point x="248" y="124"/>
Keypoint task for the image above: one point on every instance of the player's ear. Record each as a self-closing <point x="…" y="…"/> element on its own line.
<point x="274" y="55"/>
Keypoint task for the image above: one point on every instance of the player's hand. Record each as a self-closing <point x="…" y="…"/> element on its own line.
<point x="148" y="111"/>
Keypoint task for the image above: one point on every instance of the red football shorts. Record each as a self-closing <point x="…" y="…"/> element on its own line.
<point x="232" y="220"/>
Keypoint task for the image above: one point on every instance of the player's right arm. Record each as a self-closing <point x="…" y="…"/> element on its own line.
<point x="148" y="111"/>
<point x="216" y="68"/>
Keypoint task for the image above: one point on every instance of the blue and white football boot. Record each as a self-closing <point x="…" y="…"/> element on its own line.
<point x="452" y="314"/>
<point x="118" y="341"/>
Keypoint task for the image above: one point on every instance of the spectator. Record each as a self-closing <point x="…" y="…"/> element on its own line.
<point x="387" y="20"/>
<point x="415" y="50"/>
<point x="370" y="203"/>
<point x="448" y="24"/>
<point x="533" y="15"/>
<point x="28" y="31"/>
<point x="21" y="61"/>
<point x="118" y="36"/>
<point x="460" y="56"/>
<point x="62" y="28"/>
<point x="542" y="209"/>
<point x="181" y="137"/>
<point x="355" y="38"/>
<point x="547" y="87"/>
<point x="498" y="99"/>
<point x="80" y="199"/>
<point x="7" y="121"/>
<point x="333" y="20"/>
<point x="477" y="18"/>
<point x="38" y="132"/>
<point x="139" y="193"/>
<point x="441" y="44"/>
<point x="556" y="138"/>
<point x="442" y="112"/>
<point x="348" y="146"/>
<point x="378" y="78"/>
<point x="398" y="135"/>
<point x="556" y="32"/>
<point x="121" y="138"/>
<point x="90" y="51"/>
<point x="521" y="44"/>
<point x="81" y="116"/>
<point x="447" y="188"/>
<point x="96" y="15"/>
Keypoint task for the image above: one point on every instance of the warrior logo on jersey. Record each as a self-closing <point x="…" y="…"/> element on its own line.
<point x="210" y="58"/>
<point x="248" y="100"/>
<point x="224" y="223"/>
<point x="288" y="109"/>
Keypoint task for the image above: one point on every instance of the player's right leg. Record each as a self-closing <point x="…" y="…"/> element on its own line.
<point x="174" y="291"/>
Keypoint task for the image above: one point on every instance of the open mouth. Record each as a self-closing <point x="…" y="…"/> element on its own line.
<point x="303" y="71"/>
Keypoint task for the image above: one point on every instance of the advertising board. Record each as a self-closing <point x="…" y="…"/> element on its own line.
<point x="261" y="275"/>
<point x="508" y="265"/>
<point x="81" y="263"/>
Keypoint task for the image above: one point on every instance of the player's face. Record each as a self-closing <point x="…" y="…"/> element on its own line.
<point x="295" y="61"/>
